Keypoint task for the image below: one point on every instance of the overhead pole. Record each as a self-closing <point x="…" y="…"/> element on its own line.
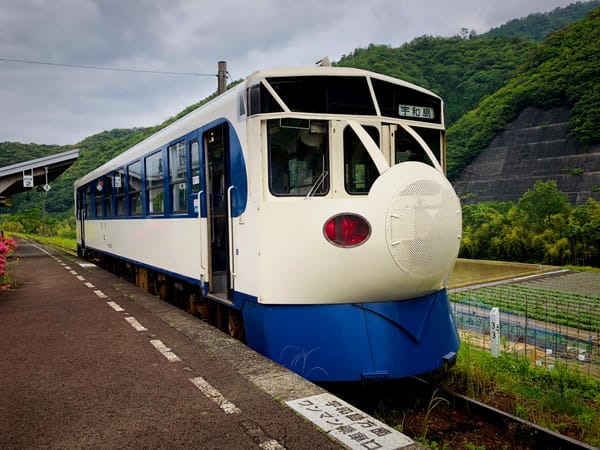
<point x="222" y="77"/>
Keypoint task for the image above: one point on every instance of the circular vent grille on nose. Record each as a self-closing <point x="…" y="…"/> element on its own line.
<point x="420" y="227"/>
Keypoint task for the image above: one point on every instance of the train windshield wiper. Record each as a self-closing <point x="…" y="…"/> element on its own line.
<point x="317" y="184"/>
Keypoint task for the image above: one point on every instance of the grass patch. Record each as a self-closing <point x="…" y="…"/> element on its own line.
<point x="66" y="244"/>
<point x="562" y="399"/>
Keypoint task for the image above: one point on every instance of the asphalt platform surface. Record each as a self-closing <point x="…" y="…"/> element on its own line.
<point x="88" y="360"/>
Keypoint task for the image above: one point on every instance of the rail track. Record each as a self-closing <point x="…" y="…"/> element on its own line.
<point x="431" y="415"/>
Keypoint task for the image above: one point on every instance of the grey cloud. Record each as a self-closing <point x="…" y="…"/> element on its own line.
<point x="59" y="105"/>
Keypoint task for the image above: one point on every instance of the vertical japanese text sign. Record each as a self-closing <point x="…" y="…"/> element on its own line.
<point x="495" y="332"/>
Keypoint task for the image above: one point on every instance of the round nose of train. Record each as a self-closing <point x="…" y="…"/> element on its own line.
<point x="423" y="222"/>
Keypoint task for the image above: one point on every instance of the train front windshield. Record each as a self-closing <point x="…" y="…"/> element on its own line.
<point x="298" y="162"/>
<point x="298" y="148"/>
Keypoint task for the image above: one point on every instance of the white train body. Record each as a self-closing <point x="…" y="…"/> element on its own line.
<point x="312" y="201"/>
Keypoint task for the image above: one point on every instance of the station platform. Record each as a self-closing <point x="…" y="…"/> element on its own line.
<point x="88" y="360"/>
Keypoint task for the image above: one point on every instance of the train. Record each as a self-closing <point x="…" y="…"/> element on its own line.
<point x="305" y="210"/>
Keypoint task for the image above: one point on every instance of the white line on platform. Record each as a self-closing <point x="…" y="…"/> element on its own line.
<point x="115" y="306"/>
<point x="215" y="396"/>
<point x="90" y="285"/>
<point x="68" y="268"/>
<point x="164" y="350"/>
<point x="87" y="265"/>
<point x="72" y="272"/>
<point x="135" y="324"/>
<point x="80" y="278"/>
<point x="100" y="294"/>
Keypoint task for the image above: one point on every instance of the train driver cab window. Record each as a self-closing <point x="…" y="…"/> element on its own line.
<point x="360" y="171"/>
<point x="154" y="184"/>
<point x="178" y="177"/>
<point x="298" y="160"/>
<point x="119" y="186"/>
<point x="408" y="149"/>
<point x="134" y="188"/>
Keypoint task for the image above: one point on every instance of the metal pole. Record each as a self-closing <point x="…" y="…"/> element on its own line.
<point x="222" y="77"/>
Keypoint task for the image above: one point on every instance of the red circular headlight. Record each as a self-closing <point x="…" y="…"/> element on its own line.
<point x="347" y="230"/>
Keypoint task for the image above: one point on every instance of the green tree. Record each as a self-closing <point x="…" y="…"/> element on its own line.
<point x="539" y="204"/>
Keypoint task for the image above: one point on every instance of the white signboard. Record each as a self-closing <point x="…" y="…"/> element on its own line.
<point x="417" y="112"/>
<point x="27" y="181"/>
<point x="348" y="424"/>
<point x="495" y="332"/>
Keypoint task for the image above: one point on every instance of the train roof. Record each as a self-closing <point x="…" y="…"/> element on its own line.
<point x="228" y="100"/>
<point x="295" y="71"/>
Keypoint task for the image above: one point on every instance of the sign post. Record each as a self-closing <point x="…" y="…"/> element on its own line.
<point x="28" y="180"/>
<point x="495" y="332"/>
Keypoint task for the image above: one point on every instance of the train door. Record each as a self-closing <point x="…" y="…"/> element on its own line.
<point x="218" y="182"/>
<point x="81" y="216"/>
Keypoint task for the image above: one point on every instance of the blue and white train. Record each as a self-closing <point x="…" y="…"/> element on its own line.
<point x="308" y="203"/>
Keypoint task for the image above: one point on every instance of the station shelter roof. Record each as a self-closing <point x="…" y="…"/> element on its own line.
<point x="26" y="175"/>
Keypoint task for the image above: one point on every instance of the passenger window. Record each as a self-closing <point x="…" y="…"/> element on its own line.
<point x="107" y="196"/>
<point x="98" y="198"/>
<point x="195" y="163"/>
<point x="178" y="177"/>
<point x="360" y="171"/>
<point x="298" y="162"/>
<point x="408" y="149"/>
<point x="134" y="188"/>
<point x="119" y="186"/>
<point x="88" y="200"/>
<point x="154" y="184"/>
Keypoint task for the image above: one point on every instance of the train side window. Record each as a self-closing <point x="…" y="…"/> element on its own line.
<point x="134" y="188"/>
<point x="178" y="177"/>
<point x="408" y="149"/>
<point x="298" y="162"/>
<point x="98" y="198"/>
<point x="107" y="196"/>
<point x="88" y="201"/>
<point x="360" y="171"/>
<point x="119" y="187"/>
<point x="195" y="166"/>
<point x="155" y="196"/>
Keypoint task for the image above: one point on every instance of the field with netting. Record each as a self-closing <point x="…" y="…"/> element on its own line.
<point x="551" y="319"/>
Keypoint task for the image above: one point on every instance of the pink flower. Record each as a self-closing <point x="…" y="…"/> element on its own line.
<point x="12" y="245"/>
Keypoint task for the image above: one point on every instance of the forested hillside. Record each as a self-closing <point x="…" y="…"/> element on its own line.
<point x="461" y="71"/>
<point x="539" y="26"/>
<point x="16" y="152"/>
<point x="563" y="71"/>
<point x="93" y="152"/>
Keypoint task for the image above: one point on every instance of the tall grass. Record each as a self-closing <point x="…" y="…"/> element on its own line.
<point x="562" y="399"/>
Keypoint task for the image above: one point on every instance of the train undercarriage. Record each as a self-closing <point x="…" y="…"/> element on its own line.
<point x="179" y="293"/>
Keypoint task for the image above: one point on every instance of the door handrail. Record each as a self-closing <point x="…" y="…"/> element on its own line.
<point x="230" y="232"/>
<point x="202" y="264"/>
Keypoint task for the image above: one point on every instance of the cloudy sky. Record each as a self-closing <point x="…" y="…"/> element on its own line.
<point x="55" y="104"/>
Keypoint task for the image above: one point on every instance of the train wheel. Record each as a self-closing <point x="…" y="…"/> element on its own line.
<point x="236" y="325"/>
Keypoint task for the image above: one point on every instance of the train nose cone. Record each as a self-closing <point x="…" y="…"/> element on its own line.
<point x="423" y="223"/>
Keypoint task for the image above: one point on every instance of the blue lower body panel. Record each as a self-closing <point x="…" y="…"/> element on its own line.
<point x="353" y="342"/>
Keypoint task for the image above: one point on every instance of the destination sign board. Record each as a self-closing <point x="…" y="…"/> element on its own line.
<point x="417" y="112"/>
